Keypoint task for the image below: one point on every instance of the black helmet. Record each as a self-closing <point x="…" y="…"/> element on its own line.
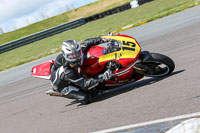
<point x="72" y="52"/>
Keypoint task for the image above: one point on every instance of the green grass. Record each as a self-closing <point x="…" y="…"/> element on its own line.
<point x="146" y="12"/>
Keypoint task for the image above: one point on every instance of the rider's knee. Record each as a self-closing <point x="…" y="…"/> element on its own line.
<point x="69" y="89"/>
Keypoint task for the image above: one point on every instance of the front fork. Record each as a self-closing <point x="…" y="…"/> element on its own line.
<point x="139" y="70"/>
<point x="144" y="56"/>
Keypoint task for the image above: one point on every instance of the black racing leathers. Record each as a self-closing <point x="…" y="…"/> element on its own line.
<point x="63" y="75"/>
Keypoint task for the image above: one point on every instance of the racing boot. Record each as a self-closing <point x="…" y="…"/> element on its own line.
<point x="72" y="92"/>
<point x="52" y="92"/>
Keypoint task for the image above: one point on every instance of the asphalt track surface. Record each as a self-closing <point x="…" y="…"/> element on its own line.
<point x="24" y="106"/>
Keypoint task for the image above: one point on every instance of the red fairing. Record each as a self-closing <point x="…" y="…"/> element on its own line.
<point x="96" y="51"/>
<point x="126" y="73"/>
<point x="43" y="70"/>
<point x="91" y="67"/>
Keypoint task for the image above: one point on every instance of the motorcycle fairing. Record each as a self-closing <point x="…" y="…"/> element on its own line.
<point x="43" y="70"/>
<point x="91" y="67"/>
<point x="126" y="56"/>
<point x="129" y="49"/>
<point x="95" y="50"/>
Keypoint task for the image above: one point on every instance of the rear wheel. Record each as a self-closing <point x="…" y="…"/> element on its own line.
<point x="158" y="65"/>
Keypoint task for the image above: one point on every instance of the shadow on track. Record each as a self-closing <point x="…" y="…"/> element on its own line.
<point x="126" y="88"/>
<point x="132" y="86"/>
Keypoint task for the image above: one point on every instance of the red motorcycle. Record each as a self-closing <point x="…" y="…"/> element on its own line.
<point x="123" y="56"/>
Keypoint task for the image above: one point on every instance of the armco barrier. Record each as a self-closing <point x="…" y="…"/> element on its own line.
<point x="108" y="12"/>
<point x="41" y="35"/>
<point x="140" y="2"/>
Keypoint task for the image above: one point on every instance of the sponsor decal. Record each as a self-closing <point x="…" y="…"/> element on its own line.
<point x="72" y="46"/>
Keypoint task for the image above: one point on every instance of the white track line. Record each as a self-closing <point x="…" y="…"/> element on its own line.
<point x="150" y="123"/>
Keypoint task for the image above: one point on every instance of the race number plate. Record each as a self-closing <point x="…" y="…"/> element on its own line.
<point x="129" y="49"/>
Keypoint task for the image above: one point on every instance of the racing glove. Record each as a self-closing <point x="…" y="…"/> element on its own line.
<point x="106" y="40"/>
<point x="105" y="76"/>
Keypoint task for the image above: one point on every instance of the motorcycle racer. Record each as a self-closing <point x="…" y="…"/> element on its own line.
<point x="66" y="76"/>
<point x="121" y="54"/>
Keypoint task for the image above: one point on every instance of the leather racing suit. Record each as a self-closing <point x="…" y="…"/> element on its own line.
<point x="68" y="81"/>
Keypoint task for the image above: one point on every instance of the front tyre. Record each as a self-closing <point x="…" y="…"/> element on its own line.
<point x="158" y="65"/>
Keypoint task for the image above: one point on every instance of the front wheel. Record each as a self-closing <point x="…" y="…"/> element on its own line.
<point x="156" y="66"/>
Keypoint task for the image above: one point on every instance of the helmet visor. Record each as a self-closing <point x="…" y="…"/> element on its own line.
<point x="74" y="55"/>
